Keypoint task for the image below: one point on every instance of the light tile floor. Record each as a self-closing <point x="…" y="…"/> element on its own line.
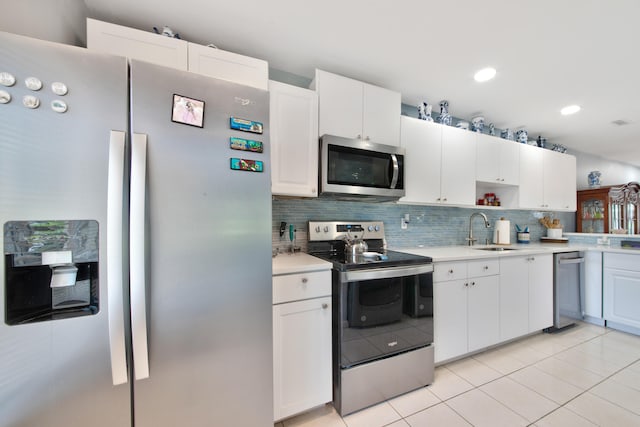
<point x="584" y="376"/>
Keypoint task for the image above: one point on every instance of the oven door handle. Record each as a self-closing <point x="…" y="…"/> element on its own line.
<point x="385" y="273"/>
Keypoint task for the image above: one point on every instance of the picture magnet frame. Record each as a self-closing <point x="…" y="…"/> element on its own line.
<point x="188" y="111"/>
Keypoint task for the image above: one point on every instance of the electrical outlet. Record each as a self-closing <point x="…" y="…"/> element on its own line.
<point x="403" y="224"/>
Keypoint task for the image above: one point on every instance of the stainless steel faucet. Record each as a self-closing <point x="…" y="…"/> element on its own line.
<point x="470" y="239"/>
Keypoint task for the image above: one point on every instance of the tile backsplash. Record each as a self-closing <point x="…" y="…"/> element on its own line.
<point x="428" y="225"/>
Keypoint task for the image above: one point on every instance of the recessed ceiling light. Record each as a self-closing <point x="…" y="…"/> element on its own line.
<point x="570" y="109"/>
<point x="485" y="74"/>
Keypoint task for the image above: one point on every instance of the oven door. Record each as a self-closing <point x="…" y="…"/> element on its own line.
<point x="383" y="312"/>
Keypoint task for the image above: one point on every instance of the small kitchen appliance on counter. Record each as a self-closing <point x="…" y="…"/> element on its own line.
<point x="382" y="314"/>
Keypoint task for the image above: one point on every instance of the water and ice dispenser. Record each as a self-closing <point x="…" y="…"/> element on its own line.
<point x="51" y="270"/>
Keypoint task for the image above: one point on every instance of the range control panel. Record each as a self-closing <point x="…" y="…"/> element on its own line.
<point x="340" y="230"/>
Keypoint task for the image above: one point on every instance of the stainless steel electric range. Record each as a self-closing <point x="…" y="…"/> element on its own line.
<point x="382" y="315"/>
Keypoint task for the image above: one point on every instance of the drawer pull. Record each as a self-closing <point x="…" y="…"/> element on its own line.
<point x="305" y="280"/>
<point x="451" y="271"/>
<point x="486" y="267"/>
<point x="325" y="305"/>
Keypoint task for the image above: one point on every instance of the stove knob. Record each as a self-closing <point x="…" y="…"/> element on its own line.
<point x="370" y="228"/>
<point x="326" y="229"/>
<point x="317" y="228"/>
<point x="377" y="228"/>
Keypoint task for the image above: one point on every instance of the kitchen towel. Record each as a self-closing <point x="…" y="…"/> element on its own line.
<point x="502" y="232"/>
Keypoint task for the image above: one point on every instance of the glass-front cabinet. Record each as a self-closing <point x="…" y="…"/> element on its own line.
<point x="611" y="209"/>
<point x="624" y="203"/>
<point x="592" y="215"/>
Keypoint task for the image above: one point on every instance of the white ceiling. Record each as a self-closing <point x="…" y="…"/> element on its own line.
<point x="548" y="54"/>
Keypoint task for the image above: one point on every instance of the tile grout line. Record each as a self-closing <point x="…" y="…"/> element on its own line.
<point x="607" y="331"/>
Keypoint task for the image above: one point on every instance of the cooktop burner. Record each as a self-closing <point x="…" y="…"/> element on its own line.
<point x="327" y="241"/>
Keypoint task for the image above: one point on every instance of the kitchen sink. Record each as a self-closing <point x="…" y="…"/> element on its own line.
<point x="497" y="249"/>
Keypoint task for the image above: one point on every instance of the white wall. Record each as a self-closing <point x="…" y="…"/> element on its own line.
<point x="62" y="21"/>
<point x="613" y="173"/>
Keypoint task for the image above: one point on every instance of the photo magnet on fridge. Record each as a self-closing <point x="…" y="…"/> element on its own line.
<point x="187" y="111"/>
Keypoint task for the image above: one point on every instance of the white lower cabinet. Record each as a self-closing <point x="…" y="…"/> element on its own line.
<point x="302" y="367"/>
<point x="514" y="297"/>
<point x="540" y="292"/>
<point x="526" y="295"/>
<point x="465" y="307"/>
<point x="621" y="289"/>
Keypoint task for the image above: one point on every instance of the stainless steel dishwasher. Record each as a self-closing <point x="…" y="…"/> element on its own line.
<point x="568" y="290"/>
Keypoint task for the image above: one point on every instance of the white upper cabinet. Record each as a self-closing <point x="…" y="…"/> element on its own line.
<point x="176" y="53"/>
<point x="423" y="144"/>
<point x="458" y="167"/>
<point x="381" y="115"/>
<point x="294" y="140"/>
<point x="132" y="43"/>
<point x="498" y="160"/>
<point x="228" y="66"/>
<point x="547" y="179"/>
<point x="353" y="109"/>
<point x="439" y="163"/>
<point x="559" y="181"/>
<point x="531" y="177"/>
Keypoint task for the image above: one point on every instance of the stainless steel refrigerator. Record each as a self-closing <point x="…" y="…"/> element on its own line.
<point x="136" y="212"/>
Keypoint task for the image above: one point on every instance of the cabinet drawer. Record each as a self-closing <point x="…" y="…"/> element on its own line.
<point x="487" y="267"/>
<point x="443" y="271"/>
<point x="622" y="261"/>
<point x="294" y="287"/>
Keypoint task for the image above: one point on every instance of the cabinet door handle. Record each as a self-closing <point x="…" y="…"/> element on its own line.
<point x="305" y="280"/>
<point x="451" y="271"/>
<point x="359" y="136"/>
<point x="444" y="200"/>
<point x="438" y="199"/>
<point x="486" y="267"/>
<point x="325" y="306"/>
<point x="473" y="283"/>
<point x="466" y="284"/>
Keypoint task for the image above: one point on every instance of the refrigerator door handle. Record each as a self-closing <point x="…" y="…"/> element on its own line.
<point x="137" y="256"/>
<point x="115" y="280"/>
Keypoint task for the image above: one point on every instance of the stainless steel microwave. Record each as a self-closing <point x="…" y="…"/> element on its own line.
<point x="355" y="168"/>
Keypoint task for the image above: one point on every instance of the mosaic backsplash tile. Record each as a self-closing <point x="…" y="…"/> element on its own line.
<point x="428" y="226"/>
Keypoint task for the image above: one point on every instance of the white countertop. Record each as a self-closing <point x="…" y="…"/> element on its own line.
<point x="299" y="262"/>
<point x="286" y="263"/>
<point x="458" y="253"/>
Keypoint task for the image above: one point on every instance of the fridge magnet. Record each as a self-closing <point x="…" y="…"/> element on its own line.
<point x="5" y="97"/>
<point x="59" y="106"/>
<point x="246" y="125"/>
<point x="59" y="88"/>
<point x="30" y="101"/>
<point x="33" y="83"/>
<point x="245" y="145"/>
<point x="187" y="111"/>
<point x="7" y="79"/>
<point x="247" y="165"/>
